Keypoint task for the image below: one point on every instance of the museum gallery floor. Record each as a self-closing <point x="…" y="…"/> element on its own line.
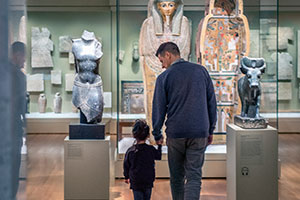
<point x="45" y="173"/>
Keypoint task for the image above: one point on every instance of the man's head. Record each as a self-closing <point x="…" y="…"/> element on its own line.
<point x="18" y="54"/>
<point x="167" y="53"/>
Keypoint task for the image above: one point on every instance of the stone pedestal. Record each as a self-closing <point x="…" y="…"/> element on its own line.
<point x="250" y="123"/>
<point x="252" y="163"/>
<point x="87" y="169"/>
<point x="87" y="131"/>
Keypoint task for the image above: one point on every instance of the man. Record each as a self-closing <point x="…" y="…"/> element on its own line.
<point x="17" y="61"/>
<point x="184" y="92"/>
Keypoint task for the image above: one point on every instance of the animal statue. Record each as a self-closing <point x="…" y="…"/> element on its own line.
<point x="249" y="86"/>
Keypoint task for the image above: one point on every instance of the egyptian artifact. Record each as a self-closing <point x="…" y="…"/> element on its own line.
<point x="57" y="103"/>
<point x="222" y="39"/>
<point x="42" y="46"/>
<point x="250" y="93"/>
<point x="165" y="23"/>
<point x="88" y="90"/>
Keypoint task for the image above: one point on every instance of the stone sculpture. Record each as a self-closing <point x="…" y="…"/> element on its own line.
<point x="56" y="77"/>
<point x="35" y="83"/>
<point x="284" y="91"/>
<point x="41" y="48"/>
<point x="121" y="56"/>
<point x="250" y="93"/>
<point x="42" y="102"/>
<point x="223" y="38"/>
<point x="285" y="65"/>
<point x="284" y="35"/>
<point x="87" y="89"/>
<point x="69" y="82"/>
<point x="65" y="44"/>
<point x="135" y="52"/>
<point x="268" y="96"/>
<point x="57" y="103"/>
<point x="165" y="23"/>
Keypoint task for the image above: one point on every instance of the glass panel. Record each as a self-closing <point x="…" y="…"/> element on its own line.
<point x="252" y="27"/>
<point x="288" y="66"/>
<point x="57" y="70"/>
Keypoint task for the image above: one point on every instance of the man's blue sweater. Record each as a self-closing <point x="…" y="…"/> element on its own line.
<point x="185" y="93"/>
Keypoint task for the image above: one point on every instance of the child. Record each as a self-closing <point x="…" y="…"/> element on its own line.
<point x="139" y="162"/>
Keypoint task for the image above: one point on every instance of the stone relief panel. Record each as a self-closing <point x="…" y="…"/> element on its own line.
<point x="268" y="96"/>
<point x="35" y="83"/>
<point x="56" y="77"/>
<point x="69" y="82"/>
<point x="254" y="44"/>
<point x="284" y="91"/>
<point x="65" y="44"/>
<point x="284" y="35"/>
<point x="133" y="97"/>
<point x="285" y="65"/>
<point x="41" y="48"/>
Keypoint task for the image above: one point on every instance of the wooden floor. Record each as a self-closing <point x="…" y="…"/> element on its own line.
<point x="45" y="173"/>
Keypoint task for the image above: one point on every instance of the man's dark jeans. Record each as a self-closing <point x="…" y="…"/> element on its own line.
<point x="186" y="157"/>
<point x="142" y="194"/>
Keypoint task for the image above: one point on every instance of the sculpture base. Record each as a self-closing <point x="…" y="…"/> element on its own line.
<point x="250" y="123"/>
<point x="87" y="131"/>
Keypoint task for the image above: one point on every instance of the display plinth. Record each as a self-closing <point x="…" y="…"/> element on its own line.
<point x="87" y="131"/>
<point x="214" y="164"/>
<point x="87" y="169"/>
<point x="252" y="163"/>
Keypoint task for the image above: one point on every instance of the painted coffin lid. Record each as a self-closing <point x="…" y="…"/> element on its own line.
<point x="223" y="38"/>
<point x="156" y="30"/>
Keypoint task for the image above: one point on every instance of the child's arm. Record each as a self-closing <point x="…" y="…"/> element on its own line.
<point x="157" y="153"/>
<point x="126" y="167"/>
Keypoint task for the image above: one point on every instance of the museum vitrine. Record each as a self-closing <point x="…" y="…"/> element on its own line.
<point x="51" y="28"/>
<point x="215" y="34"/>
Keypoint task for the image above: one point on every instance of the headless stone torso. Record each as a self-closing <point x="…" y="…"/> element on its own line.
<point x="87" y="56"/>
<point x="87" y="90"/>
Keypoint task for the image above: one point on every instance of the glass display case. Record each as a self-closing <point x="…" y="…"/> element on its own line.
<point x="50" y="70"/>
<point x="253" y="24"/>
<point x="216" y="34"/>
<point x="288" y="66"/>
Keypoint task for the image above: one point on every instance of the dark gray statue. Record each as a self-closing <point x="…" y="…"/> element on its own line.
<point x="87" y="90"/>
<point x="250" y="93"/>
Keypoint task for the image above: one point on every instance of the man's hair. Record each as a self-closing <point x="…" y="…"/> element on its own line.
<point x="18" y="47"/>
<point x="170" y="47"/>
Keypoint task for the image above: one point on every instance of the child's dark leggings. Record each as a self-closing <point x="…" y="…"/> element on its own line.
<point x="142" y="194"/>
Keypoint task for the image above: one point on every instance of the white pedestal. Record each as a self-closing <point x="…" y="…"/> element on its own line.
<point x="87" y="169"/>
<point x="252" y="163"/>
<point x="214" y="164"/>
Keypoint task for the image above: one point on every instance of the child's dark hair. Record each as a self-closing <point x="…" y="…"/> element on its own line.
<point x="140" y="130"/>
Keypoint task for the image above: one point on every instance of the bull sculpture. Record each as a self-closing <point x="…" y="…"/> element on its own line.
<point x="250" y="93"/>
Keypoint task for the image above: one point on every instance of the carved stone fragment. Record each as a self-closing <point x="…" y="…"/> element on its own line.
<point x="35" y="83"/>
<point x="65" y="44"/>
<point x="284" y="91"/>
<point x="69" y="80"/>
<point x="41" y="48"/>
<point x="56" y="77"/>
